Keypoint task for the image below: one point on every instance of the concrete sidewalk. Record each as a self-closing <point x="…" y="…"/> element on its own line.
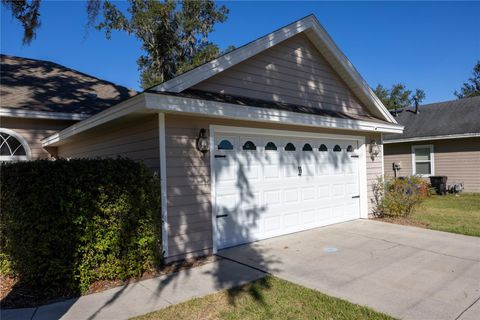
<point x="144" y="296"/>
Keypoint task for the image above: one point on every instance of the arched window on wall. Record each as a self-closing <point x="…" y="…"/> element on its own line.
<point x="13" y="147"/>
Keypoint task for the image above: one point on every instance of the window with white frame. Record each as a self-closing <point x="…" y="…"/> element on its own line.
<point x="13" y="147"/>
<point x="422" y="160"/>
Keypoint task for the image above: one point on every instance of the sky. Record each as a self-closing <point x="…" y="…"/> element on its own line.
<point x="427" y="45"/>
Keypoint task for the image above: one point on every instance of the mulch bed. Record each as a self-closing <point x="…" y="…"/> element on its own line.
<point x="403" y="221"/>
<point x="14" y="295"/>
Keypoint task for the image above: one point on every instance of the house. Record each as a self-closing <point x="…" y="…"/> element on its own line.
<point x="39" y="98"/>
<point x="439" y="139"/>
<point x="278" y="136"/>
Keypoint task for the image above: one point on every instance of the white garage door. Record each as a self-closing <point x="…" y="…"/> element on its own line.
<point x="267" y="186"/>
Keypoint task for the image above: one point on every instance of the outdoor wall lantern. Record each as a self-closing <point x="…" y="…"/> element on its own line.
<point x="374" y="149"/>
<point x="202" y="141"/>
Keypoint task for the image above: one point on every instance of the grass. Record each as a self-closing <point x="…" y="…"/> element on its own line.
<point x="268" y="298"/>
<point x="451" y="213"/>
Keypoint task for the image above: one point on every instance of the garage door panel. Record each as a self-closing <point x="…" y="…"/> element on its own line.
<point x="290" y="195"/>
<point x="279" y="191"/>
<point x="308" y="193"/>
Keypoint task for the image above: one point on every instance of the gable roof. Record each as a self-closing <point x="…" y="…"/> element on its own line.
<point x="456" y="118"/>
<point x="316" y="34"/>
<point x="30" y="86"/>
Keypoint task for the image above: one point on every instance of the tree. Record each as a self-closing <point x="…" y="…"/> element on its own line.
<point x="471" y="88"/>
<point x="27" y="12"/>
<point x="174" y="34"/>
<point x="398" y="96"/>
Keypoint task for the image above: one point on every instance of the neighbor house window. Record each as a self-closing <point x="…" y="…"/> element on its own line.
<point x="323" y="148"/>
<point x="422" y="160"/>
<point x="337" y="148"/>
<point x="13" y="147"/>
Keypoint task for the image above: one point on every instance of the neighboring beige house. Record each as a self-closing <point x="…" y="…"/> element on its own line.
<point x="441" y="139"/>
<point x="277" y="136"/>
<point x="39" y="98"/>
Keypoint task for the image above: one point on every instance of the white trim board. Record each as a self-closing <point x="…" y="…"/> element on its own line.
<point x="444" y="137"/>
<point x="362" y="169"/>
<point x="163" y="182"/>
<point x="13" y="113"/>
<point x="322" y="41"/>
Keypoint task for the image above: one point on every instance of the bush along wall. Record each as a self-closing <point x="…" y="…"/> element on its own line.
<point x="398" y="197"/>
<point x="66" y="224"/>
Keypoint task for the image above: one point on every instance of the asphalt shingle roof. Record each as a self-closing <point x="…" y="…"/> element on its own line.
<point x="439" y="119"/>
<point x="37" y="85"/>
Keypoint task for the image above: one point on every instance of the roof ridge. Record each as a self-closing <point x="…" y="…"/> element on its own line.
<point x="448" y="101"/>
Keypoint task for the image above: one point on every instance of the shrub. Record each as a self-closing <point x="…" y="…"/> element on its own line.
<point x="398" y="197"/>
<point x="66" y="224"/>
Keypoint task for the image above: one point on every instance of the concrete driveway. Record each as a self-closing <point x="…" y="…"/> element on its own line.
<point x="407" y="272"/>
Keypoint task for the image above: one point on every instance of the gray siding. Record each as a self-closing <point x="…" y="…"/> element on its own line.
<point x="458" y="159"/>
<point x="34" y="130"/>
<point x="188" y="180"/>
<point x="291" y="72"/>
<point x="136" y="139"/>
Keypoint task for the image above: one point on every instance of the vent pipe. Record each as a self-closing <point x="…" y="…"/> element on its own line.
<point x="415" y="98"/>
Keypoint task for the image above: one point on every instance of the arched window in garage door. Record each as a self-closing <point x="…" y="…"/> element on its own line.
<point x="225" y="145"/>
<point x="270" y="146"/>
<point x="249" y="145"/>
<point x="289" y="147"/>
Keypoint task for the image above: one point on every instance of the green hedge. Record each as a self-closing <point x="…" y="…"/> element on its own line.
<point x="66" y="224"/>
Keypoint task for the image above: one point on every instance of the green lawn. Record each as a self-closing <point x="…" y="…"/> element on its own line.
<point x="450" y="213"/>
<point x="269" y="298"/>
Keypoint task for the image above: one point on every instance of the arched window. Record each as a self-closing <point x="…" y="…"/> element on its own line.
<point x="225" y="145"/>
<point x="323" y="148"/>
<point x="307" y="147"/>
<point x="249" y="145"/>
<point x="290" y="147"/>
<point x="13" y="147"/>
<point x="337" y="148"/>
<point x="271" y="146"/>
<point x="349" y="149"/>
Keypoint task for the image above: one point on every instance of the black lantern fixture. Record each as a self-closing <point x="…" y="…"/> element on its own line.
<point x="202" y="141"/>
<point x="374" y="149"/>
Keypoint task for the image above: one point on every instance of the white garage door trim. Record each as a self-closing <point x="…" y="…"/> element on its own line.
<point x="217" y="129"/>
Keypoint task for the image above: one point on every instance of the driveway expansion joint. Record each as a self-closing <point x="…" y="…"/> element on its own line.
<point x="466" y="309"/>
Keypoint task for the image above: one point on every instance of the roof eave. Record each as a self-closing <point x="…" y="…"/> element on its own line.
<point x="50" y="115"/>
<point x="428" y="138"/>
<point x="152" y="102"/>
